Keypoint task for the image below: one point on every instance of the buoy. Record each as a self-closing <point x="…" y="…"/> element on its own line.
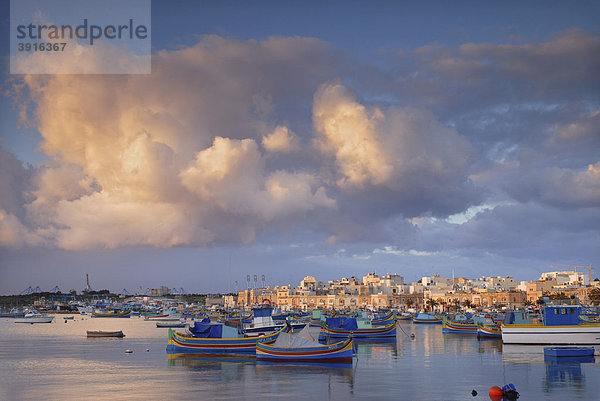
<point x="510" y="392"/>
<point x="128" y="351"/>
<point x="496" y="393"/>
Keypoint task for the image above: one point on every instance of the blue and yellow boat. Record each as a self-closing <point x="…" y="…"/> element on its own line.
<point x="112" y="314"/>
<point x="467" y="327"/>
<point x="383" y="320"/>
<point x="217" y="338"/>
<point x="489" y="331"/>
<point x="347" y="327"/>
<point x="291" y="351"/>
<point x="426" y="318"/>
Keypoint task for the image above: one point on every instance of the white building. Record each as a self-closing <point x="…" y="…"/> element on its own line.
<point x="566" y="278"/>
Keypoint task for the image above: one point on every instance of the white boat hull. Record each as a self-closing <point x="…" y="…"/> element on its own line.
<point x="42" y="319"/>
<point x="539" y="334"/>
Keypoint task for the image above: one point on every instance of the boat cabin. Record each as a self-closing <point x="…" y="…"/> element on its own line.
<point x="564" y="315"/>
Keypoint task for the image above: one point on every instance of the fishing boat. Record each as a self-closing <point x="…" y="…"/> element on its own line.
<point x="86" y="310"/>
<point x="290" y="348"/>
<point x="91" y="333"/>
<point x="33" y="316"/>
<point x="404" y="316"/>
<point x="170" y="324"/>
<point x="449" y="326"/>
<point x="342" y="327"/>
<point x="263" y="323"/>
<point x="13" y="313"/>
<point x="488" y="331"/>
<point x="216" y="338"/>
<point x="561" y="325"/>
<point x="112" y="314"/>
<point x="383" y="320"/>
<point x="589" y="319"/>
<point x="426" y="318"/>
<point x="168" y="315"/>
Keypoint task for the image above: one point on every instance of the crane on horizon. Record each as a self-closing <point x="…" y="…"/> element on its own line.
<point x="589" y="267"/>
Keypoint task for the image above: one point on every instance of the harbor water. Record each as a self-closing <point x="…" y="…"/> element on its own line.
<point x="57" y="361"/>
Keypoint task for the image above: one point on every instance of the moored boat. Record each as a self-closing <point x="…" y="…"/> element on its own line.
<point x="13" y="313"/>
<point x="339" y="327"/>
<point x="488" y="331"/>
<point x="216" y="338"/>
<point x="170" y="324"/>
<point x="561" y="325"/>
<point x="404" y="316"/>
<point x="99" y="333"/>
<point x="33" y="316"/>
<point x="112" y="314"/>
<point x="289" y="349"/>
<point x="426" y="318"/>
<point x="263" y="323"/>
<point x="383" y="320"/>
<point x="449" y="326"/>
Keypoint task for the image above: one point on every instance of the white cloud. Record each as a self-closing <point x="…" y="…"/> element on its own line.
<point x="282" y="139"/>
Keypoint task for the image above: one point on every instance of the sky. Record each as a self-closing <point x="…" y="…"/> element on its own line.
<point x="329" y="139"/>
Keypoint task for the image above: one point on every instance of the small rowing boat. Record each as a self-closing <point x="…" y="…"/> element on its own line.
<point x="105" y="333"/>
<point x="171" y="325"/>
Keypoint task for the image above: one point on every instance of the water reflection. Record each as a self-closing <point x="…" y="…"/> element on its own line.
<point x="207" y="360"/>
<point x="386" y="349"/>
<point x="489" y="345"/>
<point x="565" y="371"/>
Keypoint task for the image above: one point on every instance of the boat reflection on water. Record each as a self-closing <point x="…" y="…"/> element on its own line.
<point x="208" y="361"/>
<point x="380" y="349"/>
<point x="565" y="371"/>
<point x="489" y="344"/>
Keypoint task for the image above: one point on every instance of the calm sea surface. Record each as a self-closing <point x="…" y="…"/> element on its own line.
<point x="57" y="362"/>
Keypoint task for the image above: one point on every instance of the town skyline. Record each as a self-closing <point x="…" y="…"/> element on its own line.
<point x="248" y="283"/>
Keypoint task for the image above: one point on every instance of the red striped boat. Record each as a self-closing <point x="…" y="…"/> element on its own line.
<point x="384" y="320"/>
<point x="112" y="314"/>
<point x="340" y="352"/>
<point x="182" y="343"/>
<point x="358" y="333"/>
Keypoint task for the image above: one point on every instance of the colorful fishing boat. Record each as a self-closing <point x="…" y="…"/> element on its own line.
<point x="289" y="349"/>
<point x="449" y="326"/>
<point x="112" y="314"/>
<point x="336" y="327"/>
<point x="216" y="338"/>
<point x="384" y="320"/>
<point x="14" y="313"/>
<point x="263" y="323"/>
<point x="589" y="319"/>
<point x="561" y="325"/>
<point x="489" y="331"/>
<point x="404" y="316"/>
<point x="426" y="318"/>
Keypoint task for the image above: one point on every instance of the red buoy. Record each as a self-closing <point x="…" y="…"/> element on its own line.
<point x="496" y="393"/>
